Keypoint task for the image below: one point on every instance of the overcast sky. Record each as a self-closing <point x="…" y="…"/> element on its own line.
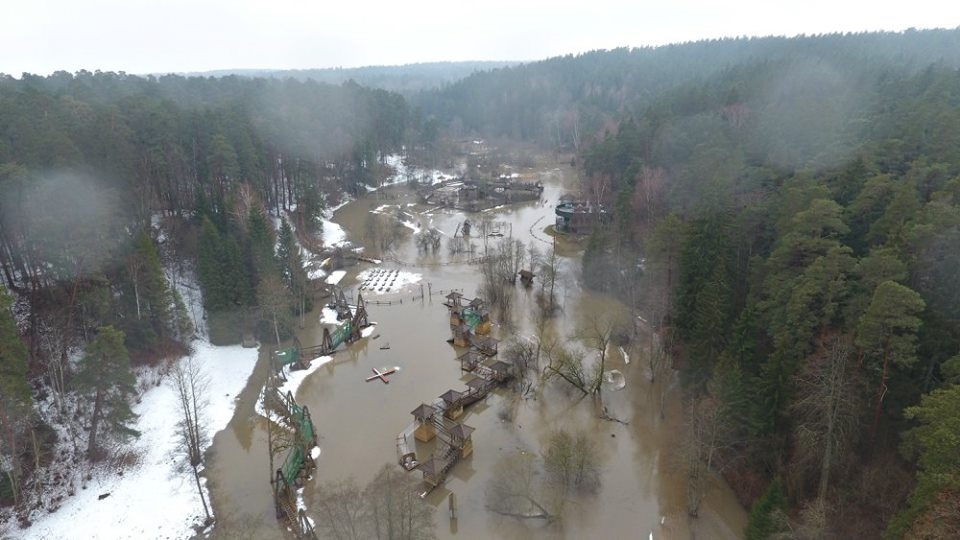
<point x="151" y="36"/>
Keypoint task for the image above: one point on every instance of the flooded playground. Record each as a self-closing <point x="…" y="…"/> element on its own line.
<point x="641" y="491"/>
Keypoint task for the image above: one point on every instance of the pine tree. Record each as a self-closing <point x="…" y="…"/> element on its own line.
<point x="104" y="372"/>
<point x="887" y="332"/>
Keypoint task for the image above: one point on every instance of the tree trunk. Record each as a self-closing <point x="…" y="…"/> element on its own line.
<point x="881" y="391"/>
<point x="136" y="294"/>
<point x="203" y="499"/>
<point x="276" y="329"/>
<point x="94" y="423"/>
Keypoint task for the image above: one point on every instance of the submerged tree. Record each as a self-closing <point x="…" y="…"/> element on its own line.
<point x="388" y="508"/>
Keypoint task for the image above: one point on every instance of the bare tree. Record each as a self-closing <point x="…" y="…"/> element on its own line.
<point x="522" y="354"/>
<point x="516" y="490"/>
<point x="550" y="274"/>
<point x="571" y="462"/>
<point x="567" y="364"/>
<point x="396" y="510"/>
<point x="191" y="385"/>
<point x="342" y="512"/>
<point x="428" y="240"/>
<point x="274" y="300"/>
<point x="826" y="411"/>
<point x="706" y="434"/>
<point x="15" y="419"/>
<point x="811" y="524"/>
<point x="381" y="232"/>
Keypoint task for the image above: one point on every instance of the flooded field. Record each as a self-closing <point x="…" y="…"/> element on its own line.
<point x="641" y="490"/>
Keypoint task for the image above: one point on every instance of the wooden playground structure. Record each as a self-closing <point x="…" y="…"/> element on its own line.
<point x="438" y="420"/>
<point x="294" y="438"/>
<point x="352" y="319"/>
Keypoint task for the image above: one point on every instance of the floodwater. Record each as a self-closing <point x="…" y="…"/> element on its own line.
<point x="642" y="490"/>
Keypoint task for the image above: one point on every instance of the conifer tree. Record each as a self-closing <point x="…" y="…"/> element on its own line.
<point x="105" y="376"/>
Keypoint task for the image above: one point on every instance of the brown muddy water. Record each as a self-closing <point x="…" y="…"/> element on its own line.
<point x="642" y="489"/>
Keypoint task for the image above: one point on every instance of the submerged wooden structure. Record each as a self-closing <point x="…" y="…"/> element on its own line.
<point x="438" y="420"/>
<point x="295" y="442"/>
<point x="352" y="319"/>
<point x="474" y="195"/>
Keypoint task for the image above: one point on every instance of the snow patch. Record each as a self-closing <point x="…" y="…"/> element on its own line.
<point x="158" y="480"/>
<point x="294" y="379"/>
<point x="335" y="277"/>
<point x="626" y="357"/>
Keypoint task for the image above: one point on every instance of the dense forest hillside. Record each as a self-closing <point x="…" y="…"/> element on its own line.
<point x="562" y="101"/>
<point x="406" y="79"/>
<point x="803" y="215"/>
<point x="785" y="215"/>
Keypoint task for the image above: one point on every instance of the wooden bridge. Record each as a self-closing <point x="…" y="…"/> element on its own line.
<point x="298" y="441"/>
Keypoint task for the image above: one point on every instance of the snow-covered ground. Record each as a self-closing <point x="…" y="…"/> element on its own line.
<point x="156" y="497"/>
<point x="336" y="277"/>
<point x="333" y="233"/>
<point x="386" y="280"/>
<point x="402" y="173"/>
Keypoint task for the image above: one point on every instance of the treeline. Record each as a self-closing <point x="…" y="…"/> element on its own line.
<point x="794" y="224"/>
<point x="563" y="101"/>
<point x="406" y="79"/>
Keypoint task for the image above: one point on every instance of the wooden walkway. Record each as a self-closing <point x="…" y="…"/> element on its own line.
<point x="438" y="419"/>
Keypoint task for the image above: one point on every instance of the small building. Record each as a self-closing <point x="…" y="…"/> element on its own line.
<point x="460" y="437"/>
<point x="461" y="335"/>
<point x="454" y="404"/>
<point x="425" y="432"/>
<point x="526" y="277"/>
<point x="432" y="474"/>
<point x="579" y="217"/>
<point x="501" y="370"/>
<point x="454" y="301"/>
<point x="469" y="360"/>
<point x="477" y="389"/>
<point x="485" y="345"/>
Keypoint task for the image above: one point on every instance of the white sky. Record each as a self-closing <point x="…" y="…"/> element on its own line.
<point x="147" y="36"/>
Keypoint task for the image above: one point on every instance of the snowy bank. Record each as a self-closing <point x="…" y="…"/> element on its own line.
<point x="155" y="497"/>
<point x="294" y="379"/>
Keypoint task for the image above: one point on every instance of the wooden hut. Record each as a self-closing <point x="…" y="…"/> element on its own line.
<point x="454" y="404"/>
<point x="431" y="473"/>
<point x="477" y="389"/>
<point x="526" y="278"/>
<point x="454" y="301"/>
<point x="501" y="370"/>
<point x="460" y="437"/>
<point x="485" y="345"/>
<point x="425" y="431"/>
<point x="469" y="360"/>
<point x="461" y="335"/>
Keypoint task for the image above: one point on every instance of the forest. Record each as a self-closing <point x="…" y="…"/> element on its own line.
<point x="786" y="216"/>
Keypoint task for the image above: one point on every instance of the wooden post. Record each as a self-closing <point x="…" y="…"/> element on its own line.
<point x="430" y="288"/>
<point x="452" y="500"/>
